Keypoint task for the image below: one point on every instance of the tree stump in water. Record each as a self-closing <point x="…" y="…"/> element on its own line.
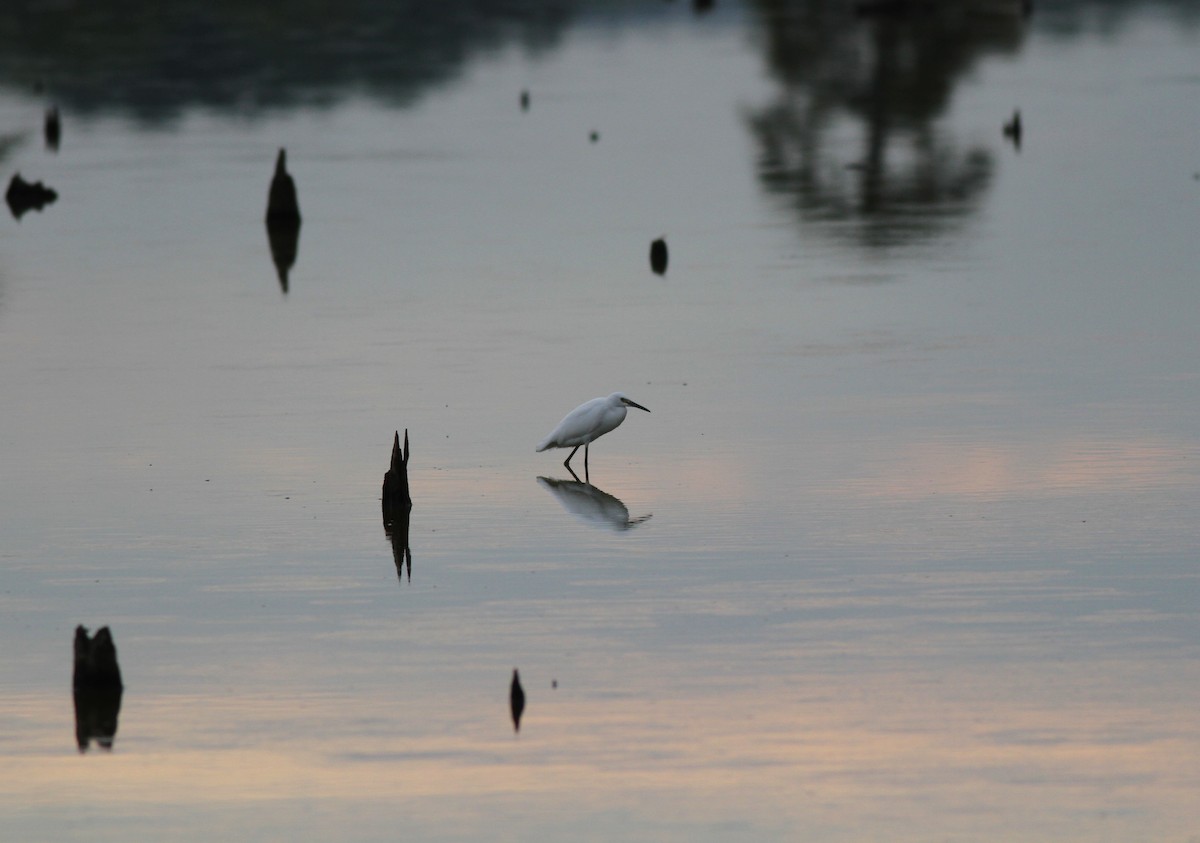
<point x="395" y="480"/>
<point x="397" y="504"/>
<point x="283" y="219"/>
<point x="282" y="207"/>
<point x="23" y="196"/>
<point x="97" y="689"/>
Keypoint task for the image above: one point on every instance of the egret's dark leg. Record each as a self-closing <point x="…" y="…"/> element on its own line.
<point x="567" y="461"/>
<point x="586" y="477"/>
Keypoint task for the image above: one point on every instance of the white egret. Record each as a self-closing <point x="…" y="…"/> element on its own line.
<point x="587" y="423"/>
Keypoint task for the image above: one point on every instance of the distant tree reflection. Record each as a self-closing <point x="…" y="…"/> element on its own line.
<point x="853" y="136"/>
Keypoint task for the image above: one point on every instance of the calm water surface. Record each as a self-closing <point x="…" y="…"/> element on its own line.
<point x="906" y="549"/>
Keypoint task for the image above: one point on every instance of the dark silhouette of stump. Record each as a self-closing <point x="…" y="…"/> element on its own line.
<point x="525" y="100"/>
<point x="283" y="220"/>
<point x="516" y="700"/>
<point x="395" y="480"/>
<point x="1012" y="130"/>
<point x="658" y="256"/>
<point x="23" y="196"/>
<point x="282" y="206"/>
<point x="97" y="688"/>
<point x="52" y="128"/>
<point x="95" y="660"/>
<point x="397" y="506"/>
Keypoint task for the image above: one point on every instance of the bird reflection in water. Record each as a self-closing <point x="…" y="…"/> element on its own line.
<point x="591" y="505"/>
<point x="97" y="689"/>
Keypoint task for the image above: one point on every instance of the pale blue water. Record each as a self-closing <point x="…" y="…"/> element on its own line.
<point x="915" y="550"/>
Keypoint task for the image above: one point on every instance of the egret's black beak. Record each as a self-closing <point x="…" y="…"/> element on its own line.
<point x="633" y="404"/>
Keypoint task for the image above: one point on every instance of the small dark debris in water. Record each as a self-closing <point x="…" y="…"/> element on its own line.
<point x="23" y="196"/>
<point x="525" y="100"/>
<point x="702" y="6"/>
<point x="594" y="136"/>
<point x="1012" y="130"/>
<point x="658" y="256"/>
<point x="516" y="700"/>
<point x="52" y="128"/>
<point x="553" y="683"/>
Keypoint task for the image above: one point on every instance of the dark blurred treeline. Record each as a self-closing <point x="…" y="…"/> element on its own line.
<point x="155" y="58"/>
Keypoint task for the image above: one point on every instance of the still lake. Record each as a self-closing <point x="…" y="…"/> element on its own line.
<point x="906" y="549"/>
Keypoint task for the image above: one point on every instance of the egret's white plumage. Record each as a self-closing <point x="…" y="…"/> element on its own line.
<point x="587" y="423"/>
